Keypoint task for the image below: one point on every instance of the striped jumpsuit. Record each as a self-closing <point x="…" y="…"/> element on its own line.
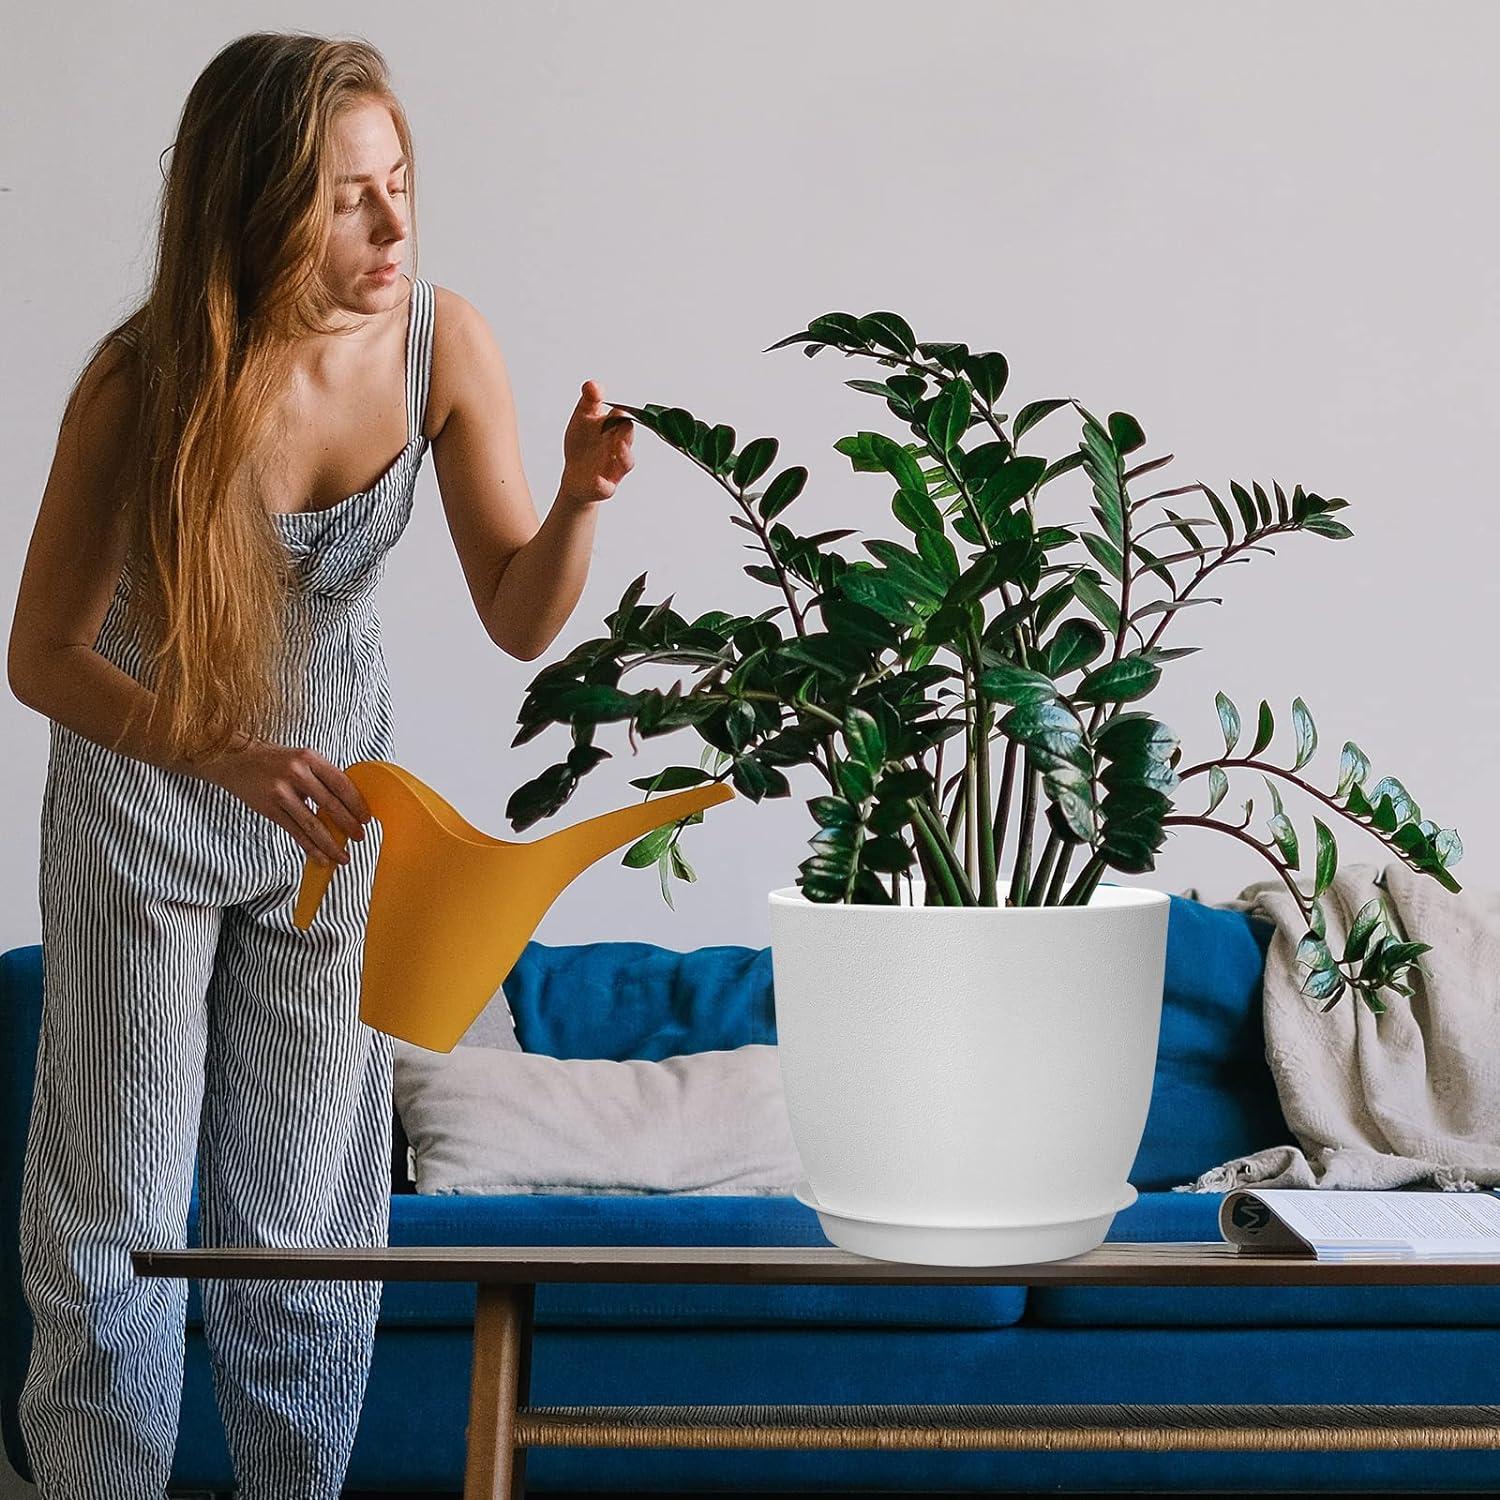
<point x="183" y="1013"/>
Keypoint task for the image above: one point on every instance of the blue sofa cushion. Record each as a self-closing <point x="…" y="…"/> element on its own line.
<point x="636" y="1000"/>
<point x="1195" y="1216"/>
<point x="1213" y="1097"/>
<point x="654" y="1219"/>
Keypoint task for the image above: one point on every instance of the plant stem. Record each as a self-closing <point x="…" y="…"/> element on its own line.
<point x="1021" y="876"/>
<point x="1059" y="875"/>
<point x="1304" y="903"/>
<point x="988" y="895"/>
<point x="936" y="865"/>
<point x="1002" y="809"/>
<point x="1082" y="888"/>
<point x="1036" y="895"/>
<point x="956" y="817"/>
<point x="980" y="754"/>
<point x="971" y="842"/>
<point x="934" y="825"/>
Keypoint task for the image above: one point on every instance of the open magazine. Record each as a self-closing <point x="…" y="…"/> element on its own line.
<point x="1356" y="1224"/>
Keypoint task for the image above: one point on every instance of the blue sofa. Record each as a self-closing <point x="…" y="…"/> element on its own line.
<point x="1213" y="1099"/>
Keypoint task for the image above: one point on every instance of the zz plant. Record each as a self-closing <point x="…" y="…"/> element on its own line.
<point x="987" y="626"/>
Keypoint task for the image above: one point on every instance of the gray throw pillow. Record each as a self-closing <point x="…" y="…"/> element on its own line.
<point x="491" y="1120"/>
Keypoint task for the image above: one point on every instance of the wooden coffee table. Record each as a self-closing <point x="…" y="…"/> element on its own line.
<point x="503" y="1426"/>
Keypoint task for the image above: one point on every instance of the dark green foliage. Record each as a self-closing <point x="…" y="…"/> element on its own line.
<point x="894" y="675"/>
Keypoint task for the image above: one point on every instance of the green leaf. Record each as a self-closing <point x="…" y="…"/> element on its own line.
<point x="1125" y="432"/>
<point x="915" y="510"/>
<point x="1275" y="792"/>
<point x="1218" y="788"/>
<point x="1121" y="681"/>
<point x="1229" y="720"/>
<point x="1050" y="726"/>
<point x="1076" y="644"/>
<point x="950" y="414"/>
<point x="1307" y="734"/>
<point x="864" y="738"/>
<point x="1285" y="836"/>
<point x="1012" y="684"/>
<point x="1134" y="734"/>
<point x="1366" y="922"/>
<point x="1105" y="553"/>
<point x="1353" y="768"/>
<point x="785" y="488"/>
<point x="1031" y="414"/>
<point x="750" y="777"/>
<point x="672" y="779"/>
<point x="876" y="591"/>
<point x="680" y="867"/>
<point x="1102" y="464"/>
<point x="1095" y="600"/>
<point x="1221" y="514"/>
<point x="1245" y="505"/>
<point x="974" y="580"/>
<point x="647" y="850"/>
<point x="1402" y="802"/>
<point x="898" y="461"/>
<point x="886" y="853"/>
<point x="833" y="812"/>
<point x="1328" y="859"/>
<point x="1265" y="728"/>
<point x="889" y="330"/>
<point x="908" y="570"/>
<point x="1011" y="480"/>
<point x="540" y="797"/>
<point x="597" y="702"/>
<point x="938" y="553"/>
<point x="620" y="619"/>
<point x="677" y="426"/>
<point x="988" y="372"/>
<point x="856" y="781"/>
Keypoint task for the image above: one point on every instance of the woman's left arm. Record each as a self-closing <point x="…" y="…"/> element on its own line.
<point x="525" y="577"/>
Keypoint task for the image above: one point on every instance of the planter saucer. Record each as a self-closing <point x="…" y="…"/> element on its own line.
<point x="961" y="1244"/>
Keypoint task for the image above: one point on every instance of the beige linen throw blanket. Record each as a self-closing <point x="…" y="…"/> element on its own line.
<point x="1411" y="1097"/>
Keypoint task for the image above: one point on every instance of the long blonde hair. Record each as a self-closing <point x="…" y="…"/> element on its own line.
<point x="246" y="212"/>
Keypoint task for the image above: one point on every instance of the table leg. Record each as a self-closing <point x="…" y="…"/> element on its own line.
<point x="500" y="1383"/>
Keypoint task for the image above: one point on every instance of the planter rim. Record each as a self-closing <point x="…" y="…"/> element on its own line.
<point x="1106" y="898"/>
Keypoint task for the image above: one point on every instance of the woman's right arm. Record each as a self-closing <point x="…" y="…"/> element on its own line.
<point x="72" y="566"/>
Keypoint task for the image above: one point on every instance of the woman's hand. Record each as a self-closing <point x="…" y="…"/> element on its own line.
<point x="596" y="447"/>
<point x="275" y="780"/>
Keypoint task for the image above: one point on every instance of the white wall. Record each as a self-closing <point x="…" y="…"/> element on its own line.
<point x="1267" y="230"/>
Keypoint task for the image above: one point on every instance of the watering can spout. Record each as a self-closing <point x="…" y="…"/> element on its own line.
<point x="452" y="907"/>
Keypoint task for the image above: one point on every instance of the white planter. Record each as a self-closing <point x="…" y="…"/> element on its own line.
<point x="968" y="1085"/>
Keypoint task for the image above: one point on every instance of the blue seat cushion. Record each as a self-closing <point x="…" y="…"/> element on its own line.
<point x="1195" y="1216"/>
<point x="653" y="1219"/>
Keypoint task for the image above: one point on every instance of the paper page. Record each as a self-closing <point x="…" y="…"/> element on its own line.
<point x="1351" y="1222"/>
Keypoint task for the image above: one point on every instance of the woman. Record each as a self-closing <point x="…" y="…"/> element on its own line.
<point x="196" y="618"/>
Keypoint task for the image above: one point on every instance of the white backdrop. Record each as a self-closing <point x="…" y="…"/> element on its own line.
<point x="1267" y="230"/>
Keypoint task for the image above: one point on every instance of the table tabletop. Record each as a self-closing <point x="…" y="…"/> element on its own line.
<point x="1173" y="1263"/>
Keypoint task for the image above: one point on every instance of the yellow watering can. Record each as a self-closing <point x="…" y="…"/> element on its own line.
<point x="452" y="908"/>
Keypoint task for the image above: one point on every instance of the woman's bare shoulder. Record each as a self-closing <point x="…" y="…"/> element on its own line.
<point x="462" y="342"/>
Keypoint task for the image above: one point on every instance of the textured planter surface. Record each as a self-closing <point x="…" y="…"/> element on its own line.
<point x="968" y="1085"/>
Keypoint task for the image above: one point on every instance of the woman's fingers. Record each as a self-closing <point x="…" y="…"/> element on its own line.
<point x="335" y="794"/>
<point x="311" y="831"/>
